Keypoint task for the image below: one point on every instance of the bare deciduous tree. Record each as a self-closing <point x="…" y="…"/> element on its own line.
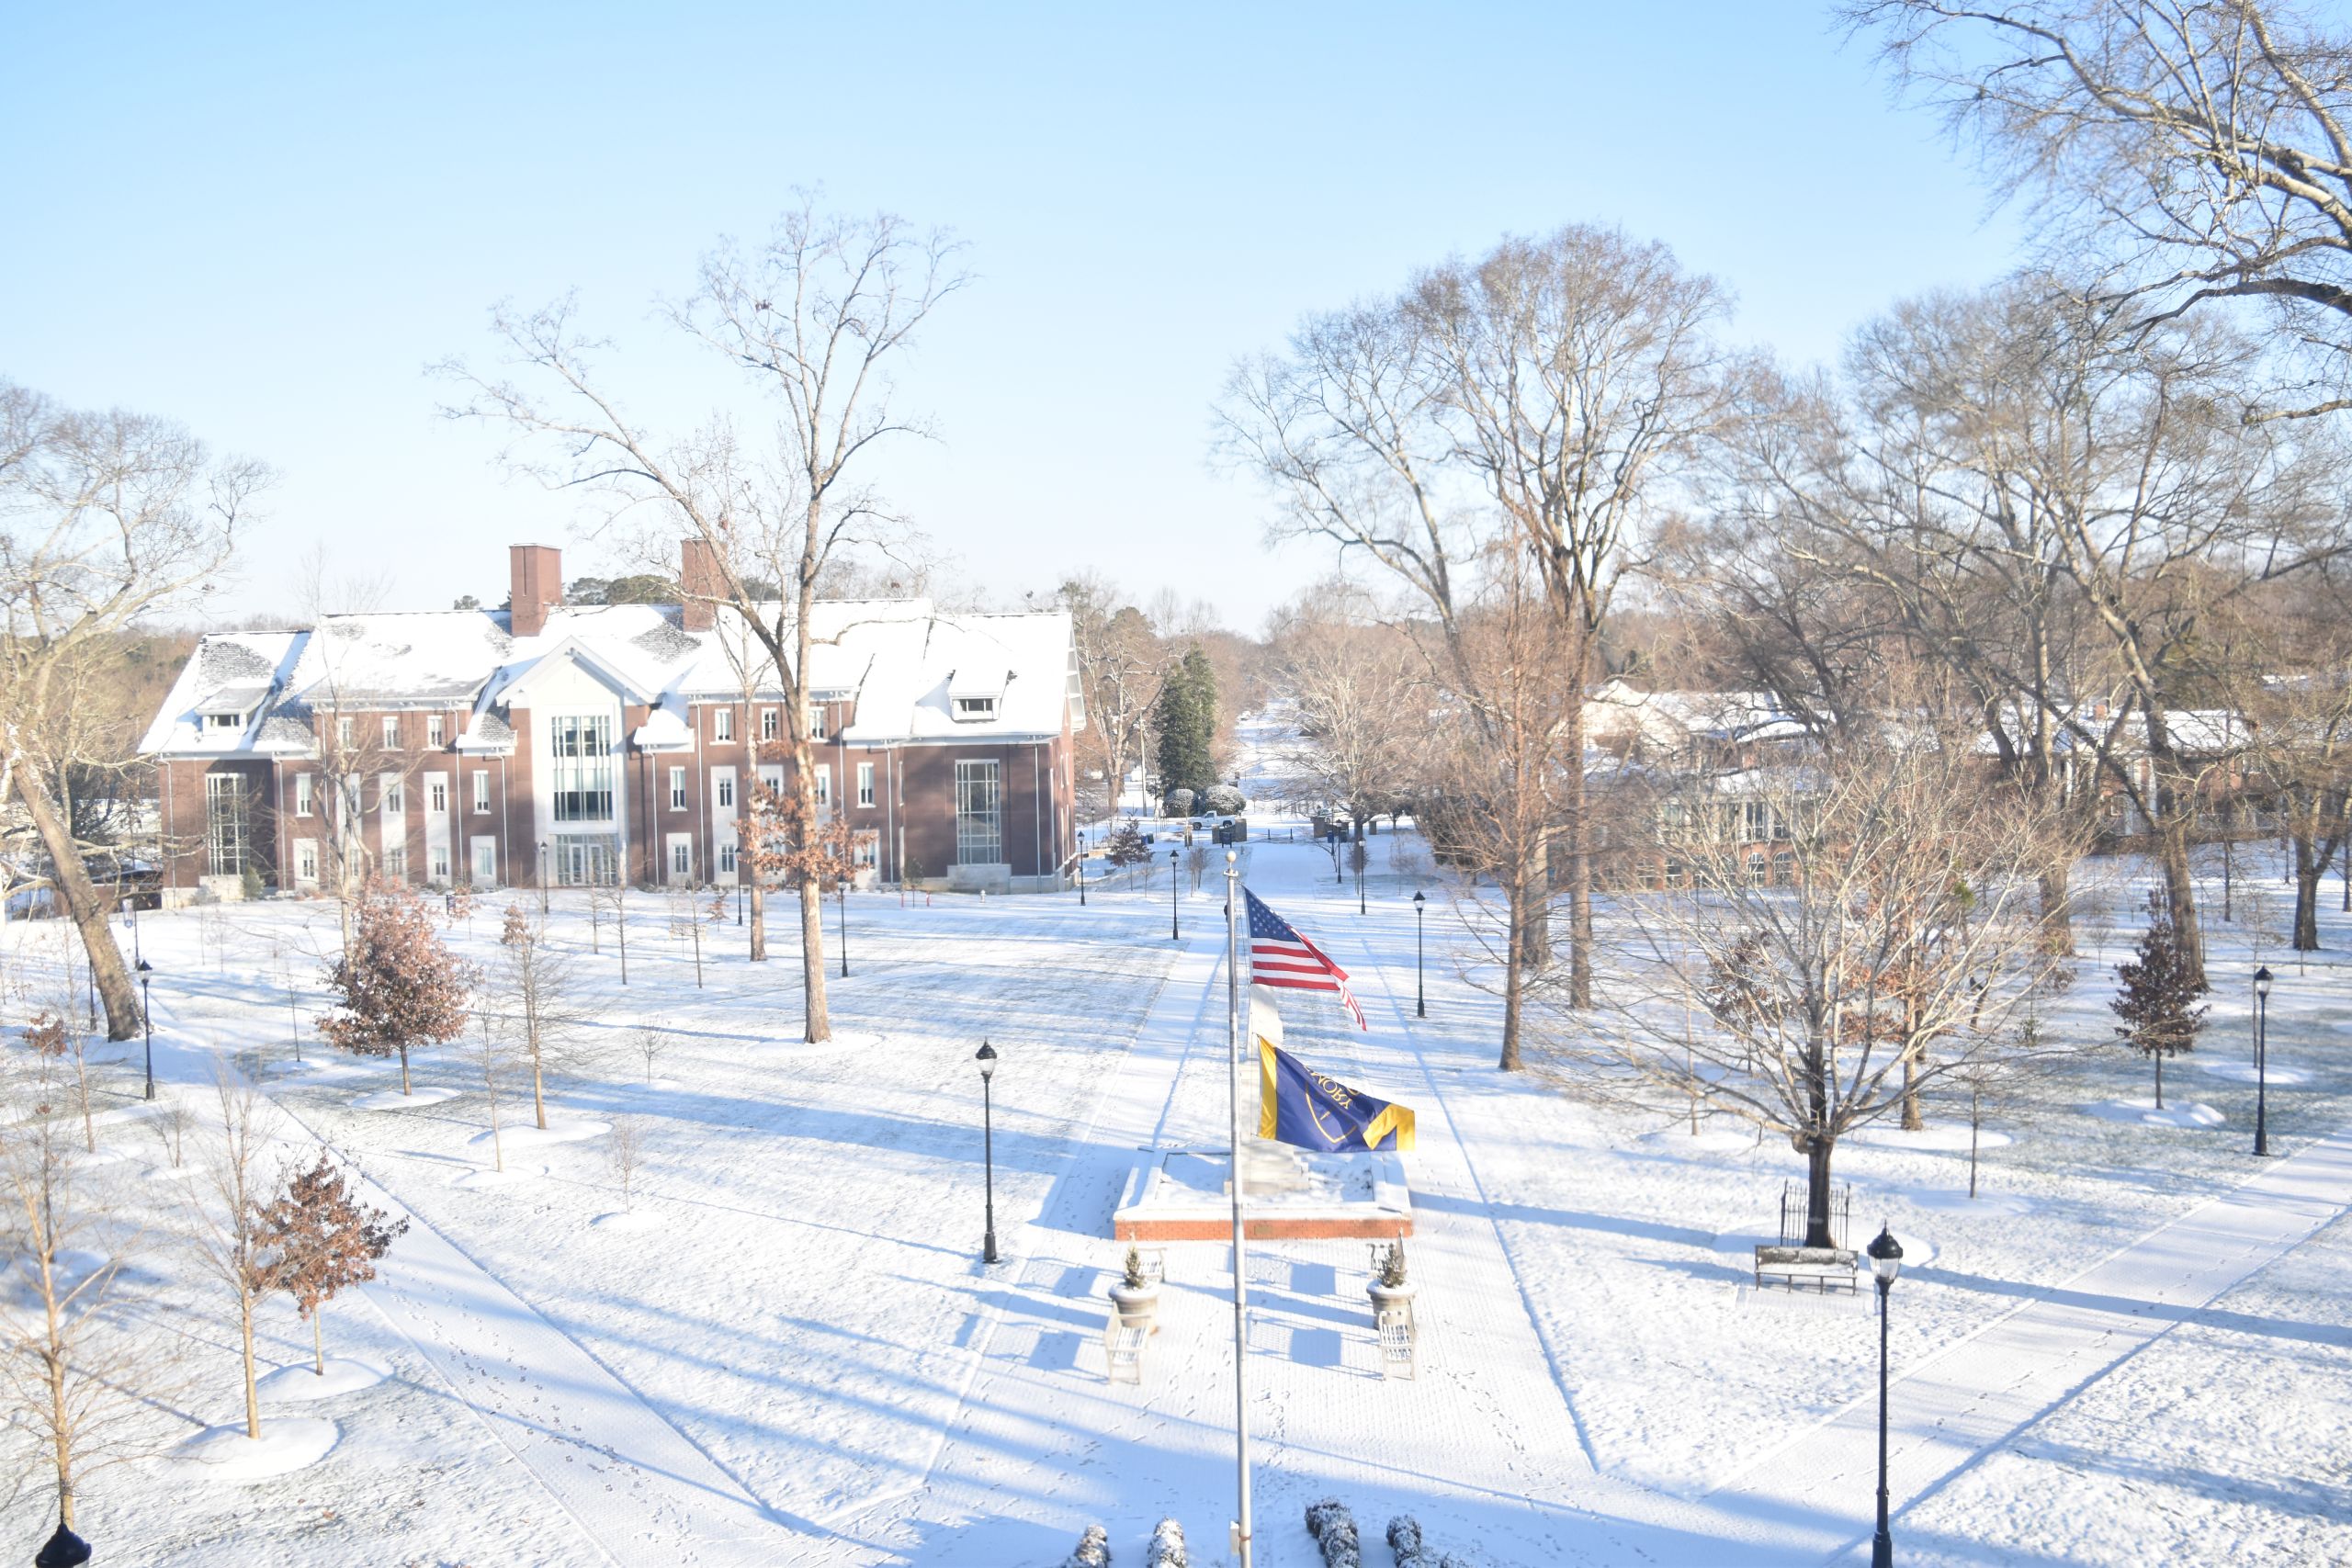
<point x="1884" y="943"/>
<point x="78" y="1373"/>
<point x="106" y="518"/>
<point x="2204" y="147"/>
<point x="815" y="317"/>
<point x="542" y="1001"/>
<point x="226" y="1205"/>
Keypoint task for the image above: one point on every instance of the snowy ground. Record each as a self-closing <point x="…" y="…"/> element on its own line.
<point x="2114" y="1355"/>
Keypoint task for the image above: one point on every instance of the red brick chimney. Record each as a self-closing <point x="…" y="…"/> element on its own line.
<point x="534" y="584"/>
<point x="702" y="582"/>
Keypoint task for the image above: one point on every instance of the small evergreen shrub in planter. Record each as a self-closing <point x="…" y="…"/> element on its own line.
<point x="1137" y="1295"/>
<point x="1389" y="1288"/>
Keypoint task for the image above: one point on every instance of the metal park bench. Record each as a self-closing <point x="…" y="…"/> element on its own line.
<point x="1823" y="1268"/>
<point x="1399" y="1355"/>
<point x="1123" y="1348"/>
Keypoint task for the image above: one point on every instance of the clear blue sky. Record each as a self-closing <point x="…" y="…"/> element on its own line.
<point x="266" y="223"/>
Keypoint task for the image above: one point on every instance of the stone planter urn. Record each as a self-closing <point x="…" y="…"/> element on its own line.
<point x="1389" y="1298"/>
<point x="1138" y="1306"/>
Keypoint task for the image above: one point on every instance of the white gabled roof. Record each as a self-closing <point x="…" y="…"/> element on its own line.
<point x="895" y="658"/>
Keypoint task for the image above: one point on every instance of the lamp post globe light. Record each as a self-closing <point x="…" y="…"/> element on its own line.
<point x="147" y="1020"/>
<point x="1886" y="1261"/>
<point x="1175" y="932"/>
<point x="1421" y="998"/>
<point x="2262" y="1062"/>
<point x="986" y="1057"/>
<point x="63" y="1550"/>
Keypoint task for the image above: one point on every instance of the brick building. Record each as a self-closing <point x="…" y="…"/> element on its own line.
<point x="582" y="744"/>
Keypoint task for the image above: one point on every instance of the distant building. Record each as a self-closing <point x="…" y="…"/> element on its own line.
<point x="581" y="745"/>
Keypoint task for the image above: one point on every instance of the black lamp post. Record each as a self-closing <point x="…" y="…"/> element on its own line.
<point x="65" y="1549"/>
<point x="1886" y="1261"/>
<point x="2262" y="1062"/>
<point x="1175" y="932"/>
<point x="1081" y="868"/>
<point x="987" y="1059"/>
<point x="147" y="1017"/>
<point x="1421" y="998"/>
<point x="841" y="886"/>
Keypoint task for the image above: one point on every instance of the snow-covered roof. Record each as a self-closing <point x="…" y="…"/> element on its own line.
<point x="895" y="658"/>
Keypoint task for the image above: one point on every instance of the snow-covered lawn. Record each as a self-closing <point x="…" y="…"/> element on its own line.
<point x="783" y="1347"/>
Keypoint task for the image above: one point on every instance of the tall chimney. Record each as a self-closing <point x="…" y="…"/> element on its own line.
<point x="701" y="582"/>
<point x="534" y="584"/>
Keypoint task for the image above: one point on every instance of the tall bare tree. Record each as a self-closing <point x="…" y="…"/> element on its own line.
<point x="1361" y="691"/>
<point x="105" y="517"/>
<point x="1122" y="664"/>
<point x="815" y="318"/>
<point x="2203" y="147"/>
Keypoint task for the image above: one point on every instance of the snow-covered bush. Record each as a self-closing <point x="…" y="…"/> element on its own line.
<point x="1405" y="1540"/>
<point x="1166" y="1548"/>
<point x="1094" y="1549"/>
<point x="1334" y="1529"/>
<point x="1179" y="801"/>
<point x="1223" y="800"/>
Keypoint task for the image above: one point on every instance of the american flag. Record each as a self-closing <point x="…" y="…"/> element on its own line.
<point x="1279" y="955"/>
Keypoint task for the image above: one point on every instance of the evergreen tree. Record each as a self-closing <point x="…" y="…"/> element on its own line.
<point x="1185" y="719"/>
<point x="2158" y="1000"/>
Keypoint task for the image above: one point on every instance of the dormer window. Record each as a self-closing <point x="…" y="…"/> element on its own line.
<point x="970" y="710"/>
<point x="224" y="721"/>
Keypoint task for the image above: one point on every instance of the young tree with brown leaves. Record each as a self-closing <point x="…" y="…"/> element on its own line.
<point x="400" y="985"/>
<point x="55" y="1040"/>
<point x="786" y="834"/>
<point x="319" y="1239"/>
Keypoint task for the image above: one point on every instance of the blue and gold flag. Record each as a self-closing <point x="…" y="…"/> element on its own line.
<point x="1299" y="1106"/>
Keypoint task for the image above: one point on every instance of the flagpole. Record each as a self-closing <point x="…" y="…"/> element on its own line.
<point x="1240" y="1270"/>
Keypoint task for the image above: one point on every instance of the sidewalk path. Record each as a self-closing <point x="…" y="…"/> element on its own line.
<point x="1950" y="1410"/>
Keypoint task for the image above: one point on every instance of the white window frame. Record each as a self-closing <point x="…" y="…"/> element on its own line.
<point x="304" y="799"/>
<point x="819" y="725"/>
<point x="677" y="789"/>
<point x="306" y="863"/>
<point x="391" y="731"/>
<point x="437" y="799"/>
<point x="726" y="857"/>
<point x="437" y="732"/>
<point x="824" y="783"/>
<point x="722" y="724"/>
<point x="392" y="793"/>
<point x="482" y="792"/>
<point x="723" y="784"/>
<point x="973" y="710"/>
<point x="768" y="725"/>
<point x="343" y="733"/>
<point x="866" y="784"/>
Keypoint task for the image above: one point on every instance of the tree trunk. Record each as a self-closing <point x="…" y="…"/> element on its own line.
<point x="538" y="1091"/>
<point x="1534" y="933"/>
<point x="1817" y="1191"/>
<point x="2057" y="908"/>
<point x="758" y="896"/>
<point x="1579" y="847"/>
<point x="1911" y="1119"/>
<point x="81" y="898"/>
<point x="2308" y="866"/>
<point x="1515" y="902"/>
<point x="318" y="1342"/>
<point x="404" y="1069"/>
<point x="2159" y="1056"/>
<point x="253" y="1389"/>
<point x="1976" y="1125"/>
<point x="2181" y="891"/>
<point x="61" y="1424"/>
<point x="812" y="961"/>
